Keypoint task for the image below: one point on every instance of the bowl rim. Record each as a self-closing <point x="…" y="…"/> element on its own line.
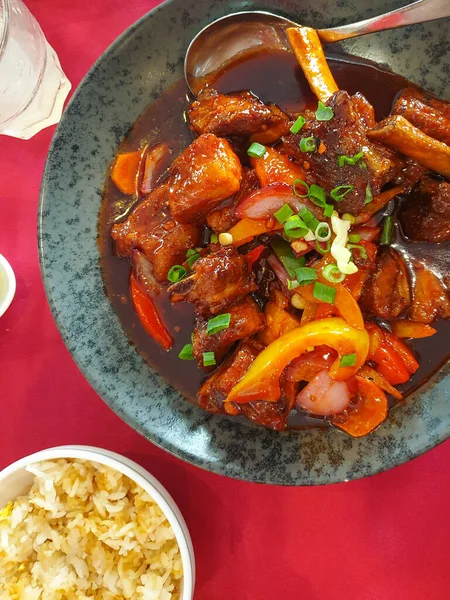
<point x="137" y="474"/>
<point x="229" y="469"/>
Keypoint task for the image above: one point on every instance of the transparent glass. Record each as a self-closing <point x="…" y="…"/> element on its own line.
<point x="33" y="87"/>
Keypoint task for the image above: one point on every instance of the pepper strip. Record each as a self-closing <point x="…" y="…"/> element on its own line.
<point x="261" y="382"/>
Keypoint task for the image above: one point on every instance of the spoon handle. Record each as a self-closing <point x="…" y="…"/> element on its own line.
<point x="417" y="12"/>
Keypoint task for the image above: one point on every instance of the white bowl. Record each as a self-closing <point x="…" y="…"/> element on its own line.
<point x="7" y="285"/>
<point x="16" y="480"/>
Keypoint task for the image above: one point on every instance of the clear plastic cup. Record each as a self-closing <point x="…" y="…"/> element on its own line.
<point x="33" y="87"/>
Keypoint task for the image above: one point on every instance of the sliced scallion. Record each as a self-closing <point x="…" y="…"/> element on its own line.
<point x="292" y="284"/>
<point x="369" y="196"/>
<point x="214" y="239"/>
<point x="176" y="273"/>
<point x="305" y="275"/>
<point x="354" y="238"/>
<point x="324" y="293"/>
<point x="348" y="360"/>
<point x="283" y="214"/>
<point x="309" y="218"/>
<point x="332" y="274"/>
<point x="322" y="232"/>
<point x="328" y="210"/>
<point x="308" y="144"/>
<point x="209" y="359"/>
<point x="387" y="231"/>
<point x="286" y="256"/>
<point x="362" y="250"/>
<point x="324" y="113"/>
<point x="218" y="323"/>
<point x="192" y="255"/>
<point x="300" y="182"/>
<point x="298" y="124"/>
<point x="323" y="247"/>
<point x="256" y="150"/>
<point x="295" y="227"/>
<point x="338" y="193"/>
<point x="349" y="160"/>
<point x="186" y="352"/>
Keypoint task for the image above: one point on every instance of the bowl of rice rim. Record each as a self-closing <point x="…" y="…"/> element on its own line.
<point x="78" y="522"/>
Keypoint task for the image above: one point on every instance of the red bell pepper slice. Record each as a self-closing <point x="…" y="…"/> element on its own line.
<point x="252" y="256"/>
<point x="149" y="316"/>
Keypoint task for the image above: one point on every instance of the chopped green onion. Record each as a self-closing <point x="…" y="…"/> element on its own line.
<point x="286" y="256"/>
<point x="349" y="160"/>
<point x="304" y="184"/>
<point x="283" y="214"/>
<point x="324" y="113"/>
<point x="309" y="218"/>
<point x="308" y="144"/>
<point x="305" y="275"/>
<point x="338" y="193"/>
<point x="186" y="352"/>
<point x="323" y="249"/>
<point x="362" y="165"/>
<point x="176" y="273"/>
<point x="209" y="359"/>
<point x="317" y="195"/>
<point x="298" y="124"/>
<point x="387" y="231"/>
<point x="348" y="217"/>
<point x="192" y="255"/>
<point x="214" y="239"/>
<point x="295" y="227"/>
<point x="292" y="284"/>
<point x="322" y="232"/>
<point x="324" y="293"/>
<point x="332" y="274"/>
<point x="348" y="360"/>
<point x="354" y="238"/>
<point x="361" y="249"/>
<point x="369" y="196"/>
<point x="328" y="210"/>
<point x="256" y="150"/>
<point x="218" y="323"/>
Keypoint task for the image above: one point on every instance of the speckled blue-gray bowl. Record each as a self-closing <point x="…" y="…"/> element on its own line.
<point x="132" y="72"/>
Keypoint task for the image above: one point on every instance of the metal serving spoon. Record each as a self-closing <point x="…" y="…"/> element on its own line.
<point x="214" y="47"/>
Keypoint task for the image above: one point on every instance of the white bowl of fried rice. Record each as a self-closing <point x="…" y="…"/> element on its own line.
<point x="79" y="522"/>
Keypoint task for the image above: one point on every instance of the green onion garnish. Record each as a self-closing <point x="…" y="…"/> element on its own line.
<point x="348" y="217"/>
<point x="286" y="255"/>
<point x="309" y="218"/>
<point x="218" y="323"/>
<point x="283" y="214"/>
<point x="308" y="144"/>
<point x="324" y="293"/>
<point x="354" y="238"/>
<point x="214" y="239"/>
<point x="338" y="193"/>
<point x="348" y="360"/>
<point x="305" y="275"/>
<point x="295" y="227"/>
<point x="191" y="256"/>
<point x="328" y="210"/>
<point x="349" y="160"/>
<point x="325" y="248"/>
<point x="304" y="184"/>
<point x="323" y="232"/>
<point x="332" y="274"/>
<point x="361" y="249"/>
<point x="317" y="195"/>
<point x="387" y="231"/>
<point x="186" y="352"/>
<point x="256" y="151"/>
<point x="369" y="196"/>
<point x="176" y="273"/>
<point x="209" y="359"/>
<point x="292" y="284"/>
<point x="324" y="113"/>
<point x="298" y="124"/>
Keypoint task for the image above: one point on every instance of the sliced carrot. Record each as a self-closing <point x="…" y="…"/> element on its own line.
<point x="370" y="412"/>
<point x="344" y="303"/>
<point x="247" y="229"/>
<point x="412" y="329"/>
<point x="125" y="171"/>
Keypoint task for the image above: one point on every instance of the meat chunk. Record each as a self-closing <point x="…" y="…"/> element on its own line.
<point x="429" y="114"/>
<point x="219" y="279"/>
<point x="223" y="218"/>
<point x="386" y="293"/>
<point x="425" y="215"/>
<point x="204" y="175"/>
<point x="430" y="297"/>
<point x="162" y="240"/>
<point x="216" y="388"/>
<point x="246" y="319"/>
<point x="344" y="135"/>
<point x="235" y="114"/>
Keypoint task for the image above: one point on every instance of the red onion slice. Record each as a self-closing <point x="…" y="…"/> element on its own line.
<point x="263" y="203"/>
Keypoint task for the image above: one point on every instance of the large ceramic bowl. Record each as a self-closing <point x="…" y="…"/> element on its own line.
<point x="131" y="73"/>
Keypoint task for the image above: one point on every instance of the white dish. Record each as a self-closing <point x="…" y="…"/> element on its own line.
<point x="16" y="480"/>
<point x="7" y="285"/>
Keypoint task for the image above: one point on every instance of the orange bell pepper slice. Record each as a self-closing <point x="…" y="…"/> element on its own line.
<point x="261" y="382"/>
<point x="370" y="374"/>
<point x="412" y="329"/>
<point x="404" y="352"/>
<point x="125" y="171"/>
<point x="344" y="303"/>
<point x="247" y="229"/>
<point x="149" y="316"/>
<point x="371" y="411"/>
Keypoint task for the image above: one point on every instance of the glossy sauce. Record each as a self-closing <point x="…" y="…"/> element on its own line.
<point x="275" y="78"/>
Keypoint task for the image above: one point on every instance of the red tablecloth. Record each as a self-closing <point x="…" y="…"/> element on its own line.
<point x="382" y="538"/>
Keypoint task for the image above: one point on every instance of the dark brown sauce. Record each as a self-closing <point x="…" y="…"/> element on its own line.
<point x="275" y="78"/>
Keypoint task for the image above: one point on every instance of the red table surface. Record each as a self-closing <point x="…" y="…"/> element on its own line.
<point x="384" y="537"/>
